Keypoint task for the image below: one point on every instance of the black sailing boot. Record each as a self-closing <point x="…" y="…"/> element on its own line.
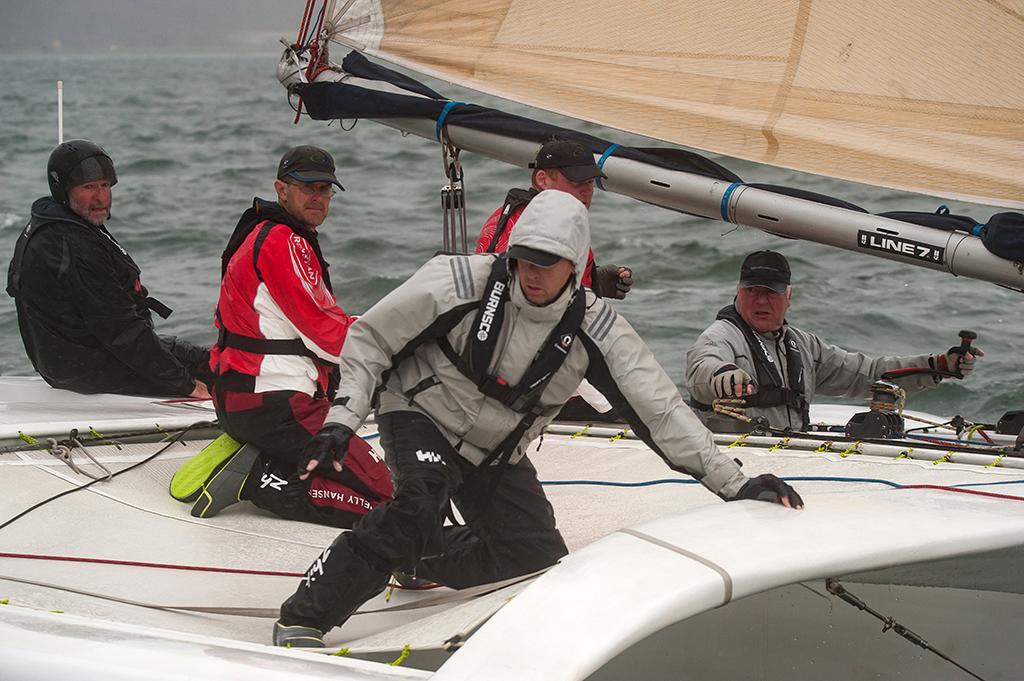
<point x="337" y="583"/>
<point x="226" y="486"/>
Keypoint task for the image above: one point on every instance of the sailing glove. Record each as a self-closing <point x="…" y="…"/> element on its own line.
<point x="731" y="381"/>
<point x="327" y="449"/>
<point x="611" y="281"/>
<point x="955" y="360"/>
<point x="769" y="488"/>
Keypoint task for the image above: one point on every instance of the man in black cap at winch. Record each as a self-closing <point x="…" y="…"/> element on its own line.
<point x="84" y="315"/>
<point x="751" y="353"/>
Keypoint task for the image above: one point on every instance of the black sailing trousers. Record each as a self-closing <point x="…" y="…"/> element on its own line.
<point x="280" y="423"/>
<point x="508" y="533"/>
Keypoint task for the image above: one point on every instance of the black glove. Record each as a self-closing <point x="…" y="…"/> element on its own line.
<point x="769" y="488"/>
<point x="607" y="282"/>
<point x="327" y="449"/>
<point x="730" y="381"/>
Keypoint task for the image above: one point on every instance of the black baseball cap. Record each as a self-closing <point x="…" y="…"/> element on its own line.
<point x="307" y="163"/>
<point x="570" y="158"/>
<point x="533" y="256"/>
<point x="765" y="268"/>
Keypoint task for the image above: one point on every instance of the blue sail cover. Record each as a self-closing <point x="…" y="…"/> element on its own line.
<point x="329" y="101"/>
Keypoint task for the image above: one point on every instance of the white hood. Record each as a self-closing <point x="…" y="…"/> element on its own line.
<point x="555" y="222"/>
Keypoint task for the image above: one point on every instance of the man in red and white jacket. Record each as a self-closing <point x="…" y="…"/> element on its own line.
<point x="275" y="362"/>
<point x="567" y="166"/>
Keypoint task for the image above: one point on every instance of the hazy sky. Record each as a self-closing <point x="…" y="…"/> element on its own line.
<point x="147" y="25"/>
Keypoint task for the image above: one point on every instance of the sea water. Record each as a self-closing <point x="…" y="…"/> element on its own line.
<point x="194" y="139"/>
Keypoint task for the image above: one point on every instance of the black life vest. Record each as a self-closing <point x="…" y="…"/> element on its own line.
<point x="266" y="215"/>
<point x="476" y="356"/>
<point x="515" y="199"/>
<point x="771" y="390"/>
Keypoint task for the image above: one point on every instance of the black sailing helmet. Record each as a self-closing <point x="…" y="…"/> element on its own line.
<point x="76" y="162"/>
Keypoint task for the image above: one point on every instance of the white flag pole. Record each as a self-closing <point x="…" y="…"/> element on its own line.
<point x="60" y="112"/>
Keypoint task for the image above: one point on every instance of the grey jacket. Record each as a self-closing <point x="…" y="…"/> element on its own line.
<point x="828" y="369"/>
<point x="394" y="344"/>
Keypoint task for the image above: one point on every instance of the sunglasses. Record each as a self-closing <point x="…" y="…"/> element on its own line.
<point x="308" y="189"/>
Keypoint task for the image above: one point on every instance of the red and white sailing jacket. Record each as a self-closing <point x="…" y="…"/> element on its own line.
<point x="273" y="290"/>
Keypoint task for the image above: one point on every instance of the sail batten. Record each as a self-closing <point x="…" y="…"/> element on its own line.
<point x="918" y="95"/>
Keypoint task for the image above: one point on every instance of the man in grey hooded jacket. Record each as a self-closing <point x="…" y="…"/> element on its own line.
<point x="468" y="361"/>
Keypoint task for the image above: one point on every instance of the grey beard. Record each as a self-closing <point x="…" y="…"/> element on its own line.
<point x="82" y="212"/>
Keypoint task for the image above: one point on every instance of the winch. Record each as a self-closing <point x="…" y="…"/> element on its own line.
<point x="885" y="418"/>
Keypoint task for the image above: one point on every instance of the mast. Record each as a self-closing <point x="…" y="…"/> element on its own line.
<point x="60" y="112"/>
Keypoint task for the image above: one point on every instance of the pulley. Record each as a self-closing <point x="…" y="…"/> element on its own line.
<point x="453" y="200"/>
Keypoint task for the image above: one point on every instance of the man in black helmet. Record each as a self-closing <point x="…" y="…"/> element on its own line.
<point x="85" y="317"/>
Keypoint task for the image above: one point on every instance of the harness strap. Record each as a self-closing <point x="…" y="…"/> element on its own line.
<point x="14" y="273"/>
<point x="503" y="452"/>
<point x="513" y="201"/>
<point x="265" y="346"/>
<point x="235" y="381"/>
<point x="159" y="308"/>
<point x="475" y="360"/>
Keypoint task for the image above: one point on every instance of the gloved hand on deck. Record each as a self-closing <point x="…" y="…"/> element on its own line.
<point x="731" y="381"/>
<point x="769" y="488"/>
<point x="953" y="360"/>
<point x="611" y="281"/>
<point x="327" y="449"/>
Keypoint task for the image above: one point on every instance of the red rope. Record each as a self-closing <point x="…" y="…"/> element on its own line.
<point x="165" y="566"/>
<point x="961" y="490"/>
<point x="317" y="64"/>
<point x="306" y="16"/>
<point x="170" y="566"/>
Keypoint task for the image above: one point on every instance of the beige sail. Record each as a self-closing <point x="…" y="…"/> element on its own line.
<point x="919" y="95"/>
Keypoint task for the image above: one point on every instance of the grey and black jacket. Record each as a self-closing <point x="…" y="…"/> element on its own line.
<point x="827" y="369"/>
<point x="394" y="349"/>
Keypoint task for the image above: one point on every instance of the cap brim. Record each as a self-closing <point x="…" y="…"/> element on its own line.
<point x="533" y="256"/>
<point x="582" y="173"/>
<point x="777" y="286"/>
<point x="313" y="176"/>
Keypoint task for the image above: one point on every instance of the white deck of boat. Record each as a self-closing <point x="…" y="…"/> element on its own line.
<point x="132" y="518"/>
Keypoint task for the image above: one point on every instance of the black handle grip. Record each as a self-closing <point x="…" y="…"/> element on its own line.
<point x="966" y="336"/>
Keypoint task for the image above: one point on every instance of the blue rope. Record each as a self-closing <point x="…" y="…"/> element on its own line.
<point x="802" y="478"/>
<point x="444" y="114"/>
<point x="600" y="162"/>
<point x="689" y="481"/>
<point x="989" y="484"/>
<point x="609" y="483"/>
<point x="725" y="200"/>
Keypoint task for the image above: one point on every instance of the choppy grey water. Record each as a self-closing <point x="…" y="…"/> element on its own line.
<point x="195" y="138"/>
